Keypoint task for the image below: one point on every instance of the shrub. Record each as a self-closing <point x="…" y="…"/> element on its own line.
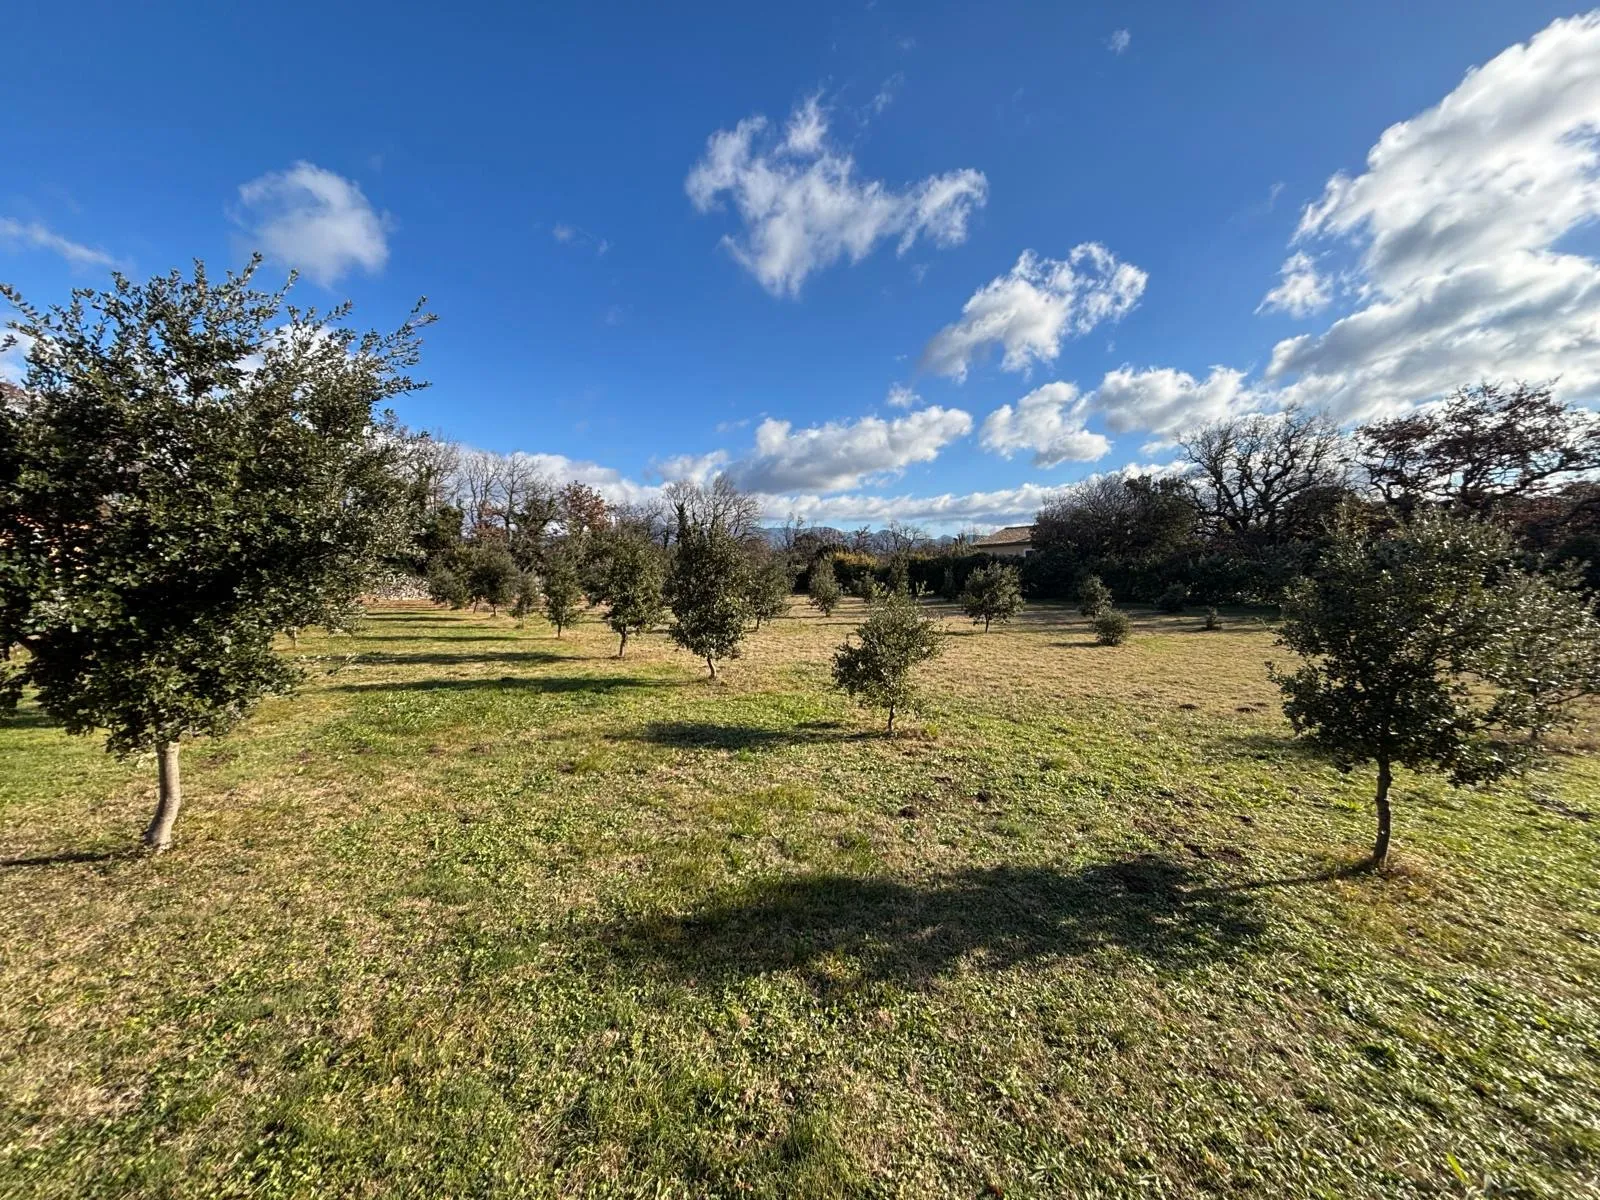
<point x="1111" y="628"/>
<point x="525" y="600"/>
<point x="824" y="587"/>
<point x="446" y="586"/>
<point x="1213" y="621"/>
<point x="894" y="639"/>
<point x="769" y="587"/>
<point x="563" y="591"/>
<point x="492" y="577"/>
<point x="1172" y="599"/>
<point x="993" y="593"/>
<point x="1094" y="597"/>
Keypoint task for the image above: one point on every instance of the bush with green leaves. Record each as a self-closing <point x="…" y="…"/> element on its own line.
<point x="491" y="576"/>
<point x="1173" y="598"/>
<point x="446" y="584"/>
<point x="893" y="641"/>
<point x="1213" y="619"/>
<point x="190" y="467"/>
<point x="525" y="598"/>
<point x="631" y="582"/>
<point x="708" y="591"/>
<point x="1426" y="646"/>
<point x="993" y="593"/>
<point x="1094" y="597"/>
<point x="823" y="588"/>
<point x="1112" y="627"/>
<point x="563" y="589"/>
<point x="770" y="584"/>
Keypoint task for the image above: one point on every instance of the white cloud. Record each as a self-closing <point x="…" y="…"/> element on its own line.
<point x="901" y="396"/>
<point x="315" y="221"/>
<point x="1301" y="290"/>
<point x="1031" y="308"/>
<point x="697" y="468"/>
<point x="803" y="208"/>
<point x="886" y="93"/>
<point x="1048" y="421"/>
<point x="1119" y="40"/>
<point x="34" y="236"/>
<point x="840" y="454"/>
<point x="1168" y="402"/>
<point x="1458" y="221"/>
<point x="13" y="359"/>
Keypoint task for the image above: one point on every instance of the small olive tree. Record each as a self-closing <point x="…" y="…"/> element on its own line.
<point x="823" y="587"/>
<point x="708" y="591"/>
<point x="770" y="583"/>
<point x="895" y="638"/>
<point x="1422" y="650"/>
<point x="993" y="593"/>
<point x="563" y="590"/>
<point x="190" y="467"/>
<point x="632" y="579"/>
<point x="1094" y="597"/>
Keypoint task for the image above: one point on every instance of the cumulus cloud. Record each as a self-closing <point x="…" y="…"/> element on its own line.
<point x="697" y="468"/>
<point x="1048" y="421"/>
<point x="1119" y="40"/>
<point x="901" y="396"/>
<point x="1301" y="290"/>
<point x="1167" y="402"/>
<point x="1028" y="311"/>
<point x="34" y="236"/>
<point x="841" y="454"/>
<point x="1458" y="223"/>
<point x="314" y="220"/>
<point x="803" y="207"/>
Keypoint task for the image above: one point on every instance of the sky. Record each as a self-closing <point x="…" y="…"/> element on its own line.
<point x="926" y="262"/>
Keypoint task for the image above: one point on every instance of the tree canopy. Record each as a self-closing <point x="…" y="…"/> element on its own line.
<point x="896" y="637"/>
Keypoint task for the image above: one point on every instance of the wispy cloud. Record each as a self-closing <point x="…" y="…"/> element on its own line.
<point x="32" y="235"/>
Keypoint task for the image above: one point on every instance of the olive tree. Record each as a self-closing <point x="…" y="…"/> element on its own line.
<point x="631" y="582"/>
<point x="192" y="466"/>
<point x="993" y="593"/>
<point x="563" y="590"/>
<point x="1421" y="649"/>
<point x="896" y="637"/>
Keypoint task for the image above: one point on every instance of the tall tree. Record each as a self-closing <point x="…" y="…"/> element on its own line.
<point x="708" y="591"/>
<point x="1249" y="471"/>
<point x="563" y="591"/>
<point x="632" y="579"/>
<point x="1482" y="447"/>
<point x="894" y="640"/>
<point x="191" y="468"/>
<point x="993" y="593"/>
<point x="1418" y="643"/>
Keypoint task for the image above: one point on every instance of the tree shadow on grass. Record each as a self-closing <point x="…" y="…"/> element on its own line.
<point x="448" y="659"/>
<point x="65" y="857"/>
<point x="911" y="933"/>
<point x="26" y="718"/>
<point x="709" y="735"/>
<point x="509" y="683"/>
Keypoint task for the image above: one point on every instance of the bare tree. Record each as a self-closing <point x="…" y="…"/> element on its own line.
<point x="1250" y="471"/>
<point x="721" y="505"/>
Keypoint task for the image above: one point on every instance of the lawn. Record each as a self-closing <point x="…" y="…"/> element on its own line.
<point x="486" y="912"/>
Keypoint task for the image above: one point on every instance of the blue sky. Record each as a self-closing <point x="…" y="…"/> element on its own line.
<point x="636" y="280"/>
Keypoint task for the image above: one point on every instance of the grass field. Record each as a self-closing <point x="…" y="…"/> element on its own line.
<point x="484" y="912"/>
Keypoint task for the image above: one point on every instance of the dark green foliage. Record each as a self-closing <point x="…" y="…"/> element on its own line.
<point x="1173" y="598"/>
<point x="563" y="592"/>
<point x="824" y="586"/>
<point x="708" y="591"/>
<point x="1094" y="597"/>
<point x="491" y="576"/>
<point x="1112" y="627"/>
<point x="1426" y="646"/>
<point x="525" y="598"/>
<point x="631" y="584"/>
<point x="993" y="593"/>
<point x="446" y="585"/>
<point x="898" y="578"/>
<point x="195" y="469"/>
<point x="894" y="639"/>
<point x="770" y="583"/>
<point x="1213" y="620"/>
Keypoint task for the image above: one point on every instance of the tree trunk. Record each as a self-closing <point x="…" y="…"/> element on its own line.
<point x="622" y="649"/>
<point x="891" y="720"/>
<point x="1380" y="848"/>
<point x="158" y="834"/>
<point x="712" y="663"/>
<point x="986" y="624"/>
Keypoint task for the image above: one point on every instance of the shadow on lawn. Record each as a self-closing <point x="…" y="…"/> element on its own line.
<point x="911" y="933"/>
<point x="511" y="683"/>
<point x="447" y="659"/>
<point x="708" y="735"/>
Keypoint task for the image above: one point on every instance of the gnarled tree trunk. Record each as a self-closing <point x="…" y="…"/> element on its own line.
<point x="158" y="834"/>
<point x="712" y="663"/>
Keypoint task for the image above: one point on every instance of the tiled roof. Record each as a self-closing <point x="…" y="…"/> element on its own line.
<point x="1011" y="535"/>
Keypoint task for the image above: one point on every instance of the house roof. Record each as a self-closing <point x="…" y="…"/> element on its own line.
<point x="1011" y="535"/>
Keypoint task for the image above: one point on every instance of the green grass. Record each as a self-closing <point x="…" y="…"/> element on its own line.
<point x="482" y="912"/>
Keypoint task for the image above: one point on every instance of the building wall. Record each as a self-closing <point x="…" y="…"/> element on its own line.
<point x="1011" y="550"/>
